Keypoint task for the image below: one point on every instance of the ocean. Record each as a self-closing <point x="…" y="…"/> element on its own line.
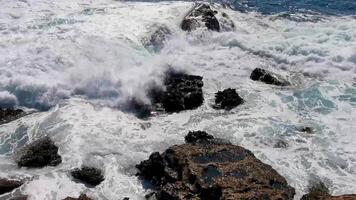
<point x="73" y="63"/>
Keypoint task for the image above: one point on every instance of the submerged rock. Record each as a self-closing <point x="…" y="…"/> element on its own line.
<point x="227" y="99"/>
<point x="320" y="192"/>
<point x="211" y="171"/>
<point x="81" y="197"/>
<point x="157" y="38"/>
<point x="183" y="92"/>
<point x="88" y="175"/>
<point x="40" y="153"/>
<point x="8" y="185"/>
<point x="203" y="16"/>
<point x="7" y="115"/>
<point x="268" y="77"/>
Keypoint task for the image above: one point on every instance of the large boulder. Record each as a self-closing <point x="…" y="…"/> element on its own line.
<point x="40" y="153"/>
<point x="202" y="15"/>
<point x="320" y="192"/>
<point x="182" y="92"/>
<point x="88" y="175"/>
<point x="8" y="185"/>
<point x="268" y="77"/>
<point x="227" y="99"/>
<point x="7" y="114"/>
<point x="81" y="197"/>
<point x="212" y="171"/>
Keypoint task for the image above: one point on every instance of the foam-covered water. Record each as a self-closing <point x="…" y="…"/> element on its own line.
<point x="77" y="61"/>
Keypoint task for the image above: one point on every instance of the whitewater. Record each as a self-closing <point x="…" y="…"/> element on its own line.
<point x="71" y="64"/>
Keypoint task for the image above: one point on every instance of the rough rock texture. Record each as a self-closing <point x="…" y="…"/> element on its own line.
<point x="40" y="153"/>
<point x="201" y="15"/>
<point x="7" y="115"/>
<point x="268" y="77"/>
<point x="321" y="192"/>
<point x="202" y="137"/>
<point x="8" y="185"/>
<point x="88" y="175"/>
<point x="210" y="171"/>
<point x="81" y="197"/>
<point x="227" y="99"/>
<point x="183" y="92"/>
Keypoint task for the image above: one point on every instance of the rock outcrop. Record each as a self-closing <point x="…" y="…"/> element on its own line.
<point x="7" y="115"/>
<point x="8" y="185"/>
<point x="268" y="77"/>
<point x="182" y="92"/>
<point x="40" y="153"/>
<point x="227" y="99"/>
<point x="81" y="197"/>
<point x="88" y="175"/>
<point x="202" y="169"/>
<point x="320" y="192"/>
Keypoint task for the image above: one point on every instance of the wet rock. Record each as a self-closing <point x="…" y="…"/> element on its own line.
<point x="157" y="38"/>
<point x="19" y="198"/>
<point x="268" y="77"/>
<point x="183" y="92"/>
<point x="7" y="115"/>
<point x="202" y="137"/>
<point x="307" y="129"/>
<point x="281" y="144"/>
<point x="201" y="16"/>
<point x="81" y="197"/>
<point x="227" y="99"/>
<point x="320" y="192"/>
<point x="40" y="153"/>
<point x="88" y="175"/>
<point x="8" y="185"/>
<point x="210" y="171"/>
<point x="126" y="198"/>
<point x="139" y="108"/>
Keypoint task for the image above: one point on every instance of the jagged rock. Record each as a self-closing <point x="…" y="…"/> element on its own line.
<point x="40" y="153"/>
<point x="157" y="39"/>
<point x="183" y="92"/>
<point x="8" y="185"/>
<point x="227" y="99"/>
<point x="268" y="77"/>
<point x="7" y="115"/>
<point x="320" y="192"/>
<point x="81" y="197"/>
<point x="88" y="175"/>
<point x="210" y="171"/>
<point x="203" y="16"/>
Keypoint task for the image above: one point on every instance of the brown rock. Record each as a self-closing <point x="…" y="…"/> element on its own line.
<point x="8" y="185"/>
<point x="212" y="171"/>
<point x="81" y="197"/>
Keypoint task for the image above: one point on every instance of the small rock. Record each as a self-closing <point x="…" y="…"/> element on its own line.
<point x="320" y="192"/>
<point x="8" y="185"/>
<point x="227" y="99"/>
<point x="268" y="77"/>
<point x="40" y="153"/>
<point x="202" y="137"/>
<point x="157" y="38"/>
<point x="88" y="175"/>
<point x="307" y="129"/>
<point x="212" y="171"/>
<point x="281" y="144"/>
<point x="139" y="108"/>
<point x="7" y="115"/>
<point x="81" y="197"/>
<point x="126" y="198"/>
<point x="201" y="16"/>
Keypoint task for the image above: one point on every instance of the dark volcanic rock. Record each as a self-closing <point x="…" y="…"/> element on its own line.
<point x="81" y="197"/>
<point x="7" y="115"/>
<point x="227" y="99"/>
<point x="88" y="175"/>
<point x="202" y="137"/>
<point x="320" y="192"/>
<point x="139" y="108"/>
<point x="268" y="77"/>
<point x="183" y="92"/>
<point x="201" y="15"/>
<point x="40" y="153"/>
<point x="8" y="185"/>
<point x="210" y="171"/>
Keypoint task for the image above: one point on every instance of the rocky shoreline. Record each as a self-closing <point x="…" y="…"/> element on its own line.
<point x="204" y="167"/>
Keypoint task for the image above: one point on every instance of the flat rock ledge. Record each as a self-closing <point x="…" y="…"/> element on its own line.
<point x="40" y="153"/>
<point x="7" y="185"/>
<point x="205" y="169"/>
